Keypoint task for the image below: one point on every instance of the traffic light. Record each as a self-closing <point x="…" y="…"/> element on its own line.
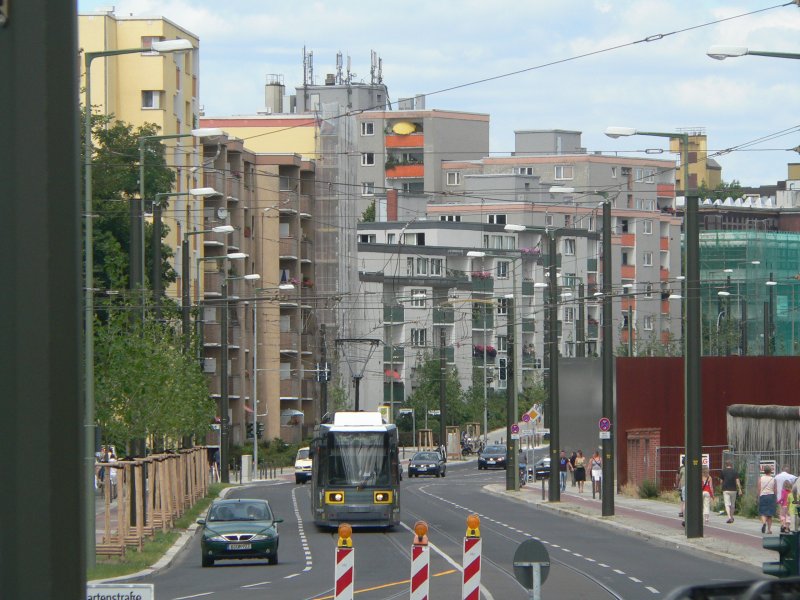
<point x="786" y="545"/>
<point x="260" y="430"/>
<point x="249" y="430"/>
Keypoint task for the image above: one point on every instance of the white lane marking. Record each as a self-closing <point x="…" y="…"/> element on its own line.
<point x="652" y="589"/>
<point x="604" y="565"/>
<point x="302" y="533"/>
<point x="256" y="584"/>
<point x="194" y="596"/>
<point x="618" y="572"/>
<point x="634" y="579"/>
<point x="452" y="562"/>
<point x="292" y="575"/>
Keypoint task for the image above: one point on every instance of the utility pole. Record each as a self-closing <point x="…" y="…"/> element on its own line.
<point x="554" y="491"/>
<point x="223" y="384"/>
<point x="512" y="463"/>
<point x="607" y="483"/>
<point x="323" y="376"/>
<point x="580" y="337"/>
<point x="442" y="390"/>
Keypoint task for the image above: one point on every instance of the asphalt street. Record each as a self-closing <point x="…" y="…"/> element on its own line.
<point x="587" y="560"/>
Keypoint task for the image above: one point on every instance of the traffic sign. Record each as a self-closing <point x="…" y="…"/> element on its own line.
<point x="529" y="556"/>
<point x="526" y="417"/>
<point x="605" y="435"/>
<point x="604" y="424"/>
<point x="514" y="428"/>
<point x="140" y="591"/>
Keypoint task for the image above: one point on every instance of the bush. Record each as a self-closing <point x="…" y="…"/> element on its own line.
<point x="648" y="489"/>
<point x="748" y="507"/>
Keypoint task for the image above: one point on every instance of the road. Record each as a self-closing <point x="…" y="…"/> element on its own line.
<point x="587" y="561"/>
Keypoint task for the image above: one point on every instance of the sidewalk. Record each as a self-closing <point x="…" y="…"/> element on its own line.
<point x="657" y="521"/>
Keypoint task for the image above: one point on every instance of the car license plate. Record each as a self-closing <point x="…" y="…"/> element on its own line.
<point x="422" y="468"/>
<point x="239" y="546"/>
<point x="490" y="461"/>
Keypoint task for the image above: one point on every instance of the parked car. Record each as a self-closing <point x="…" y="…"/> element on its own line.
<point x="541" y="470"/>
<point x="492" y="457"/>
<point x="427" y="463"/>
<point x="302" y="466"/>
<point x="239" y="529"/>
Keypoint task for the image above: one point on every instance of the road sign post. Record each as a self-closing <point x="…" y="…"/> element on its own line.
<point x="532" y="566"/>
<point x="420" y="563"/>
<point x="471" y="561"/>
<point x="344" y="577"/>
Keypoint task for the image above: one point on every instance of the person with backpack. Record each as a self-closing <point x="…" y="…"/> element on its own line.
<point x="708" y="493"/>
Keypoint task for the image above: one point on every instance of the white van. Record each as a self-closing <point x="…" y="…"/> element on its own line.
<point x="302" y="466"/>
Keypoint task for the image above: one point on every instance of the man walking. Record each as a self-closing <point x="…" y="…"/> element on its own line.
<point x="730" y="486"/>
<point x="680" y="483"/>
<point x="563" y="467"/>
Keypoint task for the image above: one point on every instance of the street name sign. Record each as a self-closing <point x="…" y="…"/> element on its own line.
<point x="120" y="591"/>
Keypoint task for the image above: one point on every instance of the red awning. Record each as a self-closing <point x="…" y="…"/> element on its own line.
<point x="394" y="374"/>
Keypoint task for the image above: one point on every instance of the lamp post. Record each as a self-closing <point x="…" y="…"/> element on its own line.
<point x="166" y="46"/>
<point x="185" y="277"/>
<point x="136" y="253"/>
<point x="693" y="413"/>
<point x="722" y="52"/>
<point x="156" y="241"/>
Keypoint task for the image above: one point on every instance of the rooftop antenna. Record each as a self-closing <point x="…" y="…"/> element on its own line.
<point x="349" y="74"/>
<point x="339" y="80"/>
<point x="373" y="59"/>
<point x="308" y="67"/>
<point x="380" y="70"/>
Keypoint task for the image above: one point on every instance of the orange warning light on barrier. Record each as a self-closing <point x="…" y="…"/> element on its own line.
<point x="473" y="526"/>
<point x="345" y="536"/>
<point x="420" y="533"/>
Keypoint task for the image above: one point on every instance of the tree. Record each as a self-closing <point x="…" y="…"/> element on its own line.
<point x="722" y="191"/>
<point x="145" y="386"/>
<point x="425" y="396"/>
<point x="115" y="183"/>
<point x="368" y="216"/>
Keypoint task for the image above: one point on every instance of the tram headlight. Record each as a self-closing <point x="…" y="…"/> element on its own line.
<point x="334" y="497"/>
<point x="382" y="497"/>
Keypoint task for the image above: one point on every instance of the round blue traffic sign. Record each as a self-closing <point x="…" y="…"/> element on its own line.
<point x="604" y="424"/>
<point x="514" y="428"/>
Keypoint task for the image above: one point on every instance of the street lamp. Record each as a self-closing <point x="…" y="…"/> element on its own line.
<point x="204" y="192"/>
<point x="137" y="253"/>
<point x="723" y="52"/>
<point x="165" y="46"/>
<point x="185" y="283"/>
<point x="691" y="357"/>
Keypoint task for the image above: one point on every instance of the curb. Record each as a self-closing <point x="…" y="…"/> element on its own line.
<point x="169" y="556"/>
<point x="664" y="538"/>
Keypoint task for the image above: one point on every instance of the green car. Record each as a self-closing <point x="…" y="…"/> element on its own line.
<point x="239" y="529"/>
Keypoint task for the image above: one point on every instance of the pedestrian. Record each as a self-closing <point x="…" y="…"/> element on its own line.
<point x="579" y="470"/>
<point x="794" y="508"/>
<point x="730" y="486"/>
<point x="597" y="472"/>
<point x="767" y="500"/>
<point x="708" y="493"/>
<point x="784" y="475"/>
<point x="112" y="474"/>
<point x="572" y="464"/>
<point x="783" y="503"/>
<point x="563" y="467"/>
<point x="680" y="484"/>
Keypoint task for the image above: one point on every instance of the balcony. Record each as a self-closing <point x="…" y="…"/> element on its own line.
<point x="628" y="240"/>
<point x="482" y="285"/>
<point x="528" y="325"/>
<point x="443" y="315"/>
<point x="306" y="250"/>
<point x="627" y="271"/>
<point x="305" y="204"/>
<point x="288" y="341"/>
<point x="406" y="172"/>
<point x="397" y="396"/>
<point x="628" y="302"/>
<point x="483" y="321"/>
<point x="290" y="388"/>
<point x="664" y="274"/>
<point x="414" y="140"/>
<point x="664" y="243"/>
<point x="591" y="265"/>
<point x="288" y="248"/>
<point x="592" y="331"/>
<point x="393" y="314"/>
<point x="310" y="388"/>
<point x="397" y="351"/>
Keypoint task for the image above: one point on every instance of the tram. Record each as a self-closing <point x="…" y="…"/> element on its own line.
<point x="355" y="475"/>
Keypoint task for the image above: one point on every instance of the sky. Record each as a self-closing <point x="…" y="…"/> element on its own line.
<point x="571" y="64"/>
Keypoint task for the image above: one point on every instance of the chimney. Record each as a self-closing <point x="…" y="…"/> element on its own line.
<point x="391" y="205"/>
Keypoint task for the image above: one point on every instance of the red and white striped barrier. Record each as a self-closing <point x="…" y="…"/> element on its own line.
<point x="471" y="563"/>
<point x="344" y="578"/>
<point x="420" y="563"/>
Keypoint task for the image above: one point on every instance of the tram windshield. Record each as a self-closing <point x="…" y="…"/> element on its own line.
<point x="358" y="458"/>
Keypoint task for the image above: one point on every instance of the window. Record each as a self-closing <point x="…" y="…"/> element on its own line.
<point x="569" y="247"/>
<point x="614" y="172"/>
<point x="367" y="128"/>
<point x="567" y="220"/>
<point x="569" y="314"/>
<point x="413" y="187"/>
<point x="524" y="170"/>
<point x="367" y="159"/>
<point x="147" y="42"/>
<point x="590" y="223"/>
<point x="502" y="306"/>
<point x="413" y="239"/>
<point x="647" y="226"/>
<point x="409" y="266"/>
<point x="450" y="218"/>
<point x="284" y="183"/>
<point x="151" y="99"/>
<point x="496" y="219"/>
<point x="453" y="178"/>
<point x="418" y="298"/>
<point x="647" y="259"/>
<point x="502" y="269"/>
<point x="422" y="266"/>
<point x="390" y="238"/>
<point x="368" y="188"/>
<point x="419" y="337"/>
<point x="563" y="172"/>
<point x="648" y="293"/>
<point x="436" y="267"/>
<point x="502" y="343"/>
<point x="648" y="322"/>
<point x="548" y="220"/>
<point x="366" y="238"/>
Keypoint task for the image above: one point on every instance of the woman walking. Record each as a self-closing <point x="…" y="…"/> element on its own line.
<point x="708" y="493"/>
<point x="596" y="465"/>
<point x="580" y="470"/>
<point x="766" y="499"/>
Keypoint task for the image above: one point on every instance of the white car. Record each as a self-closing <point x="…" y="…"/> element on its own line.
<point x="302" y="466"/>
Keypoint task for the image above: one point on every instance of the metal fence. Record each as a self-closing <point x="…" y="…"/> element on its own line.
<point x="748" y="464"/>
